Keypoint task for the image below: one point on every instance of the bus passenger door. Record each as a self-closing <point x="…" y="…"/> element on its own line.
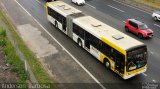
<point x="87" y="40"/>
<point x="119" y="62"/>
<point x="119" y="67"/>
<point x="64" y="24"/>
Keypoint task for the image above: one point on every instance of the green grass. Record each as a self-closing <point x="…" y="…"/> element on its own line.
<point x="2" y="37"/>
<point x="12" y="58"/>
<point x="35" y="65"/>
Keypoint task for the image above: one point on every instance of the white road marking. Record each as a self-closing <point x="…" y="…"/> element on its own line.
<point x="156" y="25"/>
<point x="64" y="48"/>
<point x="39" y="2"/>
<point x="24" y="9"/>
<point x="90" y="5"/>
<point x="144" y="74"/>
<point x="116" y="8"/>
<point x="132" y="7"/>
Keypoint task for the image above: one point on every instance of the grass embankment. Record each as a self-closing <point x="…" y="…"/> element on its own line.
<point x="17" y="65"/>
<point x="152" y="3"/>
<point x="35" y="65"/>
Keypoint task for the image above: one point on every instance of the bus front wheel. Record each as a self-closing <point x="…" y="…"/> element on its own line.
<point x="106" y="63"/>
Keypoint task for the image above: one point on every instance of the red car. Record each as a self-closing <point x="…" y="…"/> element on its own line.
<point x="138" y="28"/>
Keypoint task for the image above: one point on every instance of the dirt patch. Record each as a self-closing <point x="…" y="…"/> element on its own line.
<point x="151" y="3"/>
<point x="6" y="76"/>
<point x="35" y="41"/>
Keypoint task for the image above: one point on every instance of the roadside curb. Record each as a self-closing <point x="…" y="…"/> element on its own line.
<point x="142" y="6"/>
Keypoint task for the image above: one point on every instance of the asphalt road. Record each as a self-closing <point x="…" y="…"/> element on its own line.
<point x="105" y="10"/>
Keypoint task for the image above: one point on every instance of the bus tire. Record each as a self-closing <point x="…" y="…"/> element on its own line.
<point x="79" y="42"/>
<point x="106" y="63"/>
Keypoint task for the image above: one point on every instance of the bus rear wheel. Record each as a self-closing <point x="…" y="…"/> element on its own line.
<point x="79" y="42"/>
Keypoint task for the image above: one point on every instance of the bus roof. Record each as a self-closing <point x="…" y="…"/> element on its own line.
<point x="107" y="33"/>
<point x="62" y="8"/>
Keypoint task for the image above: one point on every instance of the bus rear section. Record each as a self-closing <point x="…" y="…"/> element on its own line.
<point x="58" y="12"/>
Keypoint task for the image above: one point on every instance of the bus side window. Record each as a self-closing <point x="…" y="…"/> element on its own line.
<point x="106" y="50"/>
<point x="78" y="31"/>
<point x="94" y="41"/>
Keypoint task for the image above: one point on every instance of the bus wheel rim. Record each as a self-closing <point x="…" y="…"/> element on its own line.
<point x="107" y="64"/>
<point x="80" y="44"/>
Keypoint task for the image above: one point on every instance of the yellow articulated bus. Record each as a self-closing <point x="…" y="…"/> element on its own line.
<point x="122" y="54"/>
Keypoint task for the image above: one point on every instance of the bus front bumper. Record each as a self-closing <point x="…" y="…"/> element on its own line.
<point x="127" y="76"/>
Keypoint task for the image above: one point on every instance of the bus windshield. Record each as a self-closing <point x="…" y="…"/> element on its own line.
<point x="136" y="58"/>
